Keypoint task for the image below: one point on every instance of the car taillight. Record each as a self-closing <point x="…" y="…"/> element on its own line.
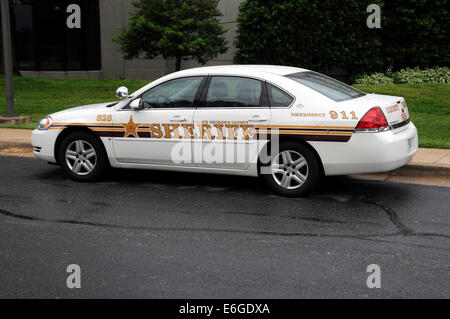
<point x="374" y="120"/>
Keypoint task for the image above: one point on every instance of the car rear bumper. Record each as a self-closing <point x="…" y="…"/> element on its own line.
<point x="44" y="144"/>
<point x="369" y="152"/>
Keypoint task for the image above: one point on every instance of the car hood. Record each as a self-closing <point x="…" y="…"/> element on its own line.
<point x="83" y="114"/>
<point x="82" y="108"/>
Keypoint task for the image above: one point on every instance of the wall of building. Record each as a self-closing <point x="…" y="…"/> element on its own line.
<point x="114" y="16"/>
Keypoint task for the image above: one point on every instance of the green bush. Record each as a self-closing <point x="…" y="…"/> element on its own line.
<point x="416" y="33"/>
<point x="178" y="29"/>
<point x="319" y="35"/>
<point x="415" y="76"/>
<point x="333" y="35"/>
<point x="407" y="76"/>
<point x="375" y="79"/>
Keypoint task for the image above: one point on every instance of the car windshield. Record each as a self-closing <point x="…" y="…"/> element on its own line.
<point x="327" y="86"/>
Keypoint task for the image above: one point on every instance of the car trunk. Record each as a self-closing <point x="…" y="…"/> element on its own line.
<point x="393" y="107"/>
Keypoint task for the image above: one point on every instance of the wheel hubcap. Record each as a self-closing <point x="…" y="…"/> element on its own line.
<point x="290" y="169"/>
<point x="81" y="157"/>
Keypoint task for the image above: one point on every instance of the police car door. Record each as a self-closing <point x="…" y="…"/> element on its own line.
<point x="230" y="110"/>
<point x="154" y="129"/>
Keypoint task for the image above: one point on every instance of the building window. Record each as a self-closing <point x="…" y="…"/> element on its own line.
<point x="45" y="42"/>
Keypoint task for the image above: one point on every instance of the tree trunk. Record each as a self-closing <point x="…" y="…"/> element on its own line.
<point x="2" y="69"/>
<point x="13" y="38"/>
<point x="178" y="64"/>
<point x="15" y="63"/>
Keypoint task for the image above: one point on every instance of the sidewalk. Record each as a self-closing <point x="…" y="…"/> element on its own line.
<point x="12" y="138"/>
<point x="426" y="162"/>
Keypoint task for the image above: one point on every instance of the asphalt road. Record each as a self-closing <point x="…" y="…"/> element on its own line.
<point x="175" y="235"/>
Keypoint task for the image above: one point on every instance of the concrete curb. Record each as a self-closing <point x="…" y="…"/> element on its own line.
<point x="422" y="170"/>
<point x="16" y="144"/>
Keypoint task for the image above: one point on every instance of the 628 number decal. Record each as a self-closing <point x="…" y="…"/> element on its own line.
<point x="104" y="118"/>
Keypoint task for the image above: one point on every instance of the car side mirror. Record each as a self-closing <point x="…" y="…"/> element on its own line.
<point x="122" y="92"/>
<point x="135" y="104"/>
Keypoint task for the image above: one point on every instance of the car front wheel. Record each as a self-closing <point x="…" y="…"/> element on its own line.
<point x="293" y="170"/>
<point x="82" y="157"/>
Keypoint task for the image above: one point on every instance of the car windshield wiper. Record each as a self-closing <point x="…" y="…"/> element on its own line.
<point x="112" y="104"/>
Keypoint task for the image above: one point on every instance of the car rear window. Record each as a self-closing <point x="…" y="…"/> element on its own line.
<point x="327" y="86"/>
<point x="277" y="97"/>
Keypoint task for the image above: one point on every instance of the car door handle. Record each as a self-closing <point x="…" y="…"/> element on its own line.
<point x="257" y="118"/>
<point x="178" y="118"/>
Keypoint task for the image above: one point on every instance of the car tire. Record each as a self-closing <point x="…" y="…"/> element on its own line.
<point x="82" y="157"/>
<point x="294" y="171"/>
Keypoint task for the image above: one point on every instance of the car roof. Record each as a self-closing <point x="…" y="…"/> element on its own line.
<point x="245" y="69"/>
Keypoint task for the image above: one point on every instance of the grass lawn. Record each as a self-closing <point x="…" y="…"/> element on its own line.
<point x="429" y="104"/>
<point x="40" y="97"/>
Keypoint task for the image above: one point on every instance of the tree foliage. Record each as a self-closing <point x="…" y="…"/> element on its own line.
<point x="417" y="33"/>
<point x="174" y="28"/>
<point x="328" y="35"/>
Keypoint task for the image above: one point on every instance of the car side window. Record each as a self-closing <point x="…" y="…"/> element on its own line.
<point x="277" y="97"/>
<point x="226" y="91"/>
<point x="178" y="93"/>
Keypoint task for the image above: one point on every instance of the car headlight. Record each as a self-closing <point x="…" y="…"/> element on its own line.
<point x="45" y="123"/>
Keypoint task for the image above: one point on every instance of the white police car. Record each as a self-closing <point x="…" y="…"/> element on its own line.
<point x="285" y="124"/>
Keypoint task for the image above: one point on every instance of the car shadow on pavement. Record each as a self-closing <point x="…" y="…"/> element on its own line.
<point x="336" y="187"/>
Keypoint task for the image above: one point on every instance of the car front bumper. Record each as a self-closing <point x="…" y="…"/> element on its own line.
<point x="44" y="144"/>
<point x="369" y="152"/>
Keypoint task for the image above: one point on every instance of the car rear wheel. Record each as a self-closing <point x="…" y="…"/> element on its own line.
<point x="82" y="157"/>
<point x="293" y="171"/>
